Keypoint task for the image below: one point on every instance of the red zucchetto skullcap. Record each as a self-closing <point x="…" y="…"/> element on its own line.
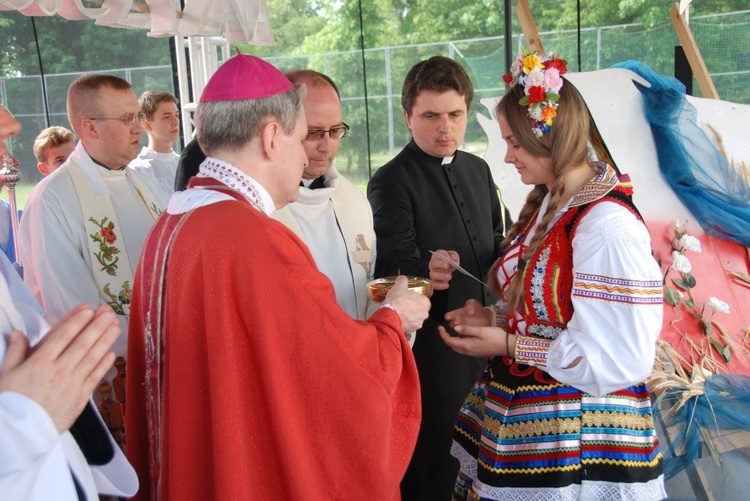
<point x="245" y="77"/>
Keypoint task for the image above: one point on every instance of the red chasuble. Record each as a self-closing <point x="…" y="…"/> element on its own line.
<point x="246" y="380"/>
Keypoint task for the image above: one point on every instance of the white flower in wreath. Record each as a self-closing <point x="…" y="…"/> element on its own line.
<point x="534" y="79"/>
<point x="535" y="113"/>
<point x="681" y="263"/>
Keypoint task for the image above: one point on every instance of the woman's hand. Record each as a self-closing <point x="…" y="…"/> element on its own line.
<point x="472" y="313"/>
<point x="479" y="341"/>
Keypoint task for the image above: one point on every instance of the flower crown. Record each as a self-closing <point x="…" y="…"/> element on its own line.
<point x="540" y="76"/>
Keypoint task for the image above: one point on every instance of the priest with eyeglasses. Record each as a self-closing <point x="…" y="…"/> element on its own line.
<point x="331" y="215"/>
<point x="84" y="225"/>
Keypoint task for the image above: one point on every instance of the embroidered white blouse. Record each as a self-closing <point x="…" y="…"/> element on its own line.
<point x="614" y="341"/>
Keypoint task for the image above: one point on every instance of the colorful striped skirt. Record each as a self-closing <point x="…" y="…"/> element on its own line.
<point x="521" y="434"/>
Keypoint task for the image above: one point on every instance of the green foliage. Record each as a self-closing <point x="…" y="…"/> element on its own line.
<point x="341" y="30"/>
<point x="430" y="21"/>
<point x="649" y="13"/>
<point x="68" y="46"/>
<point x="325" y="35"/>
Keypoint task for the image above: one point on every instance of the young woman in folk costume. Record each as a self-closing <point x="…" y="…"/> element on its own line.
<point x="562" y="410"/>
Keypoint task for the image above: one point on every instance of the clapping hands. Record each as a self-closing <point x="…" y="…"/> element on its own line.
<point x="62" y="371"/>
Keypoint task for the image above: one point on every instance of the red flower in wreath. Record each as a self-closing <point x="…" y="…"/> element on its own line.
<point x="108" y="235"/>
<point x="507" y="78"/>
<point x="537" y="94"/>
<point x="558" y="63"/>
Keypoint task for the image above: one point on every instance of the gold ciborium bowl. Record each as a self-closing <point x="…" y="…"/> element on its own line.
<point x="378" y="288"/>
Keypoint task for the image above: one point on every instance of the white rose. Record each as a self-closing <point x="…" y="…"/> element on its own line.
<point x="718" y="305"/>
<point x="535" y="78"/>
<point x="690" y="243"/>
<point x="681" y="263"/>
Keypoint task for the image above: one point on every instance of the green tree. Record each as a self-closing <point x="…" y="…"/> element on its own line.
<point x="69" y="46"/>
<point x="650" y="13"/>
<point x="292" y="22"/>
<point x="430" y="21"/>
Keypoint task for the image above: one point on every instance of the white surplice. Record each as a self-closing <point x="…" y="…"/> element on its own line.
<point x="162" y="167"/>
<point x="335" y="222"/>
<point x="54" y="240"/>
<point x="37" y="462"/>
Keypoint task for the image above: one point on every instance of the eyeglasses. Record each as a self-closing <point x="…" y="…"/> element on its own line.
<point x="333" y="133"/>
<point x="128" y="120"/>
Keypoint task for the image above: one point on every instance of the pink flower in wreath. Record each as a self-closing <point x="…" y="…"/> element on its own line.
<point x="553" y="79"/>
<point x="108" y="235"/>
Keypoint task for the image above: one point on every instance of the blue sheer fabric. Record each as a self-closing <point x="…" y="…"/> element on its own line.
<point x="701" y="177"/>
<point x="724" y="406"/>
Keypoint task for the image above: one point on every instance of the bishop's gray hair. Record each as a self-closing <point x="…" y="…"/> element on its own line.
<point x="230" y="125"/>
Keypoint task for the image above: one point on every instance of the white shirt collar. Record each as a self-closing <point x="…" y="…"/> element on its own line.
<point x="230" y="175"/>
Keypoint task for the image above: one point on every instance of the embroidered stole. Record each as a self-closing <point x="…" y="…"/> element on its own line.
<point x="111" y="267"/>
<point x="351" y="228"/>
<point x="153" y="291"/>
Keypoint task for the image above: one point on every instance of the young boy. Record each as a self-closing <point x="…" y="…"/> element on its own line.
<point x="52" y="147"/>
<point x="162" y="125"/>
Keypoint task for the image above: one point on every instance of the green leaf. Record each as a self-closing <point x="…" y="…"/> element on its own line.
<point x="724" y="351"/>
<point x="551" y="96"/>
<point x="690" y="302"/>
<point x="680" y="283"/>
<point x="689" y="280"/>
<point x="671" y="296"/>
<point x="524" y="101"/>
<point x="707" y="327"/>
<point x="716" y="344"/>
<point x="727" y="353"/>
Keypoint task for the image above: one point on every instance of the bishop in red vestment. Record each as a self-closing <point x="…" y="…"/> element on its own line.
<point x="246" y="380"/>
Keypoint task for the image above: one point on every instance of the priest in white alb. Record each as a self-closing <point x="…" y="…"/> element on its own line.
<point x="84" y="224"/>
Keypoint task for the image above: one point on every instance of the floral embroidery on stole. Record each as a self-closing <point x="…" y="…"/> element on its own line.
<point x="111" y="266"/>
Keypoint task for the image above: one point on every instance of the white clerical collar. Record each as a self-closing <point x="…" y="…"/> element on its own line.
<point x="448" y="160"/>
<point x="230" y="175"/>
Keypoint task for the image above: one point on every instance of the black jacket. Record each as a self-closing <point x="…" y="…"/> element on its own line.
<point x="420" y="205"/>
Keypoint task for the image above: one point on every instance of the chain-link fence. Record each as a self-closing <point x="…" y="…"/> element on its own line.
<point x="372" y="105"/>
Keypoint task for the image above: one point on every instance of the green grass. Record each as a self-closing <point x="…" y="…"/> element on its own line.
<point x="23" y="191"/>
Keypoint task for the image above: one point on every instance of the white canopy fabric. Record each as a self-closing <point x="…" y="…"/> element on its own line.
<point x="236" y="20"/>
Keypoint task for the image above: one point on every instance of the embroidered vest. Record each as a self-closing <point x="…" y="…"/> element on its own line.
<point x="548" y="276"/>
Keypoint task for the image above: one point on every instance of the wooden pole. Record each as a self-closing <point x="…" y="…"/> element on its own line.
<point x="528" y="26"/>
<point x="705" y="84"/>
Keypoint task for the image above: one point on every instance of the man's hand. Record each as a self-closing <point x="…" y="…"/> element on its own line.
<point x="61" y="372"/>
<point x="440" y="271"/>
<point x="413" y="308"/>
<point x="472" y="313"/>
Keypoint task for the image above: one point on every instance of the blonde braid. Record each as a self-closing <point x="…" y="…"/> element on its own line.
<point x="565" y="145"/>
<point x="515" y="293"/>
<point x="530" y="207"/>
